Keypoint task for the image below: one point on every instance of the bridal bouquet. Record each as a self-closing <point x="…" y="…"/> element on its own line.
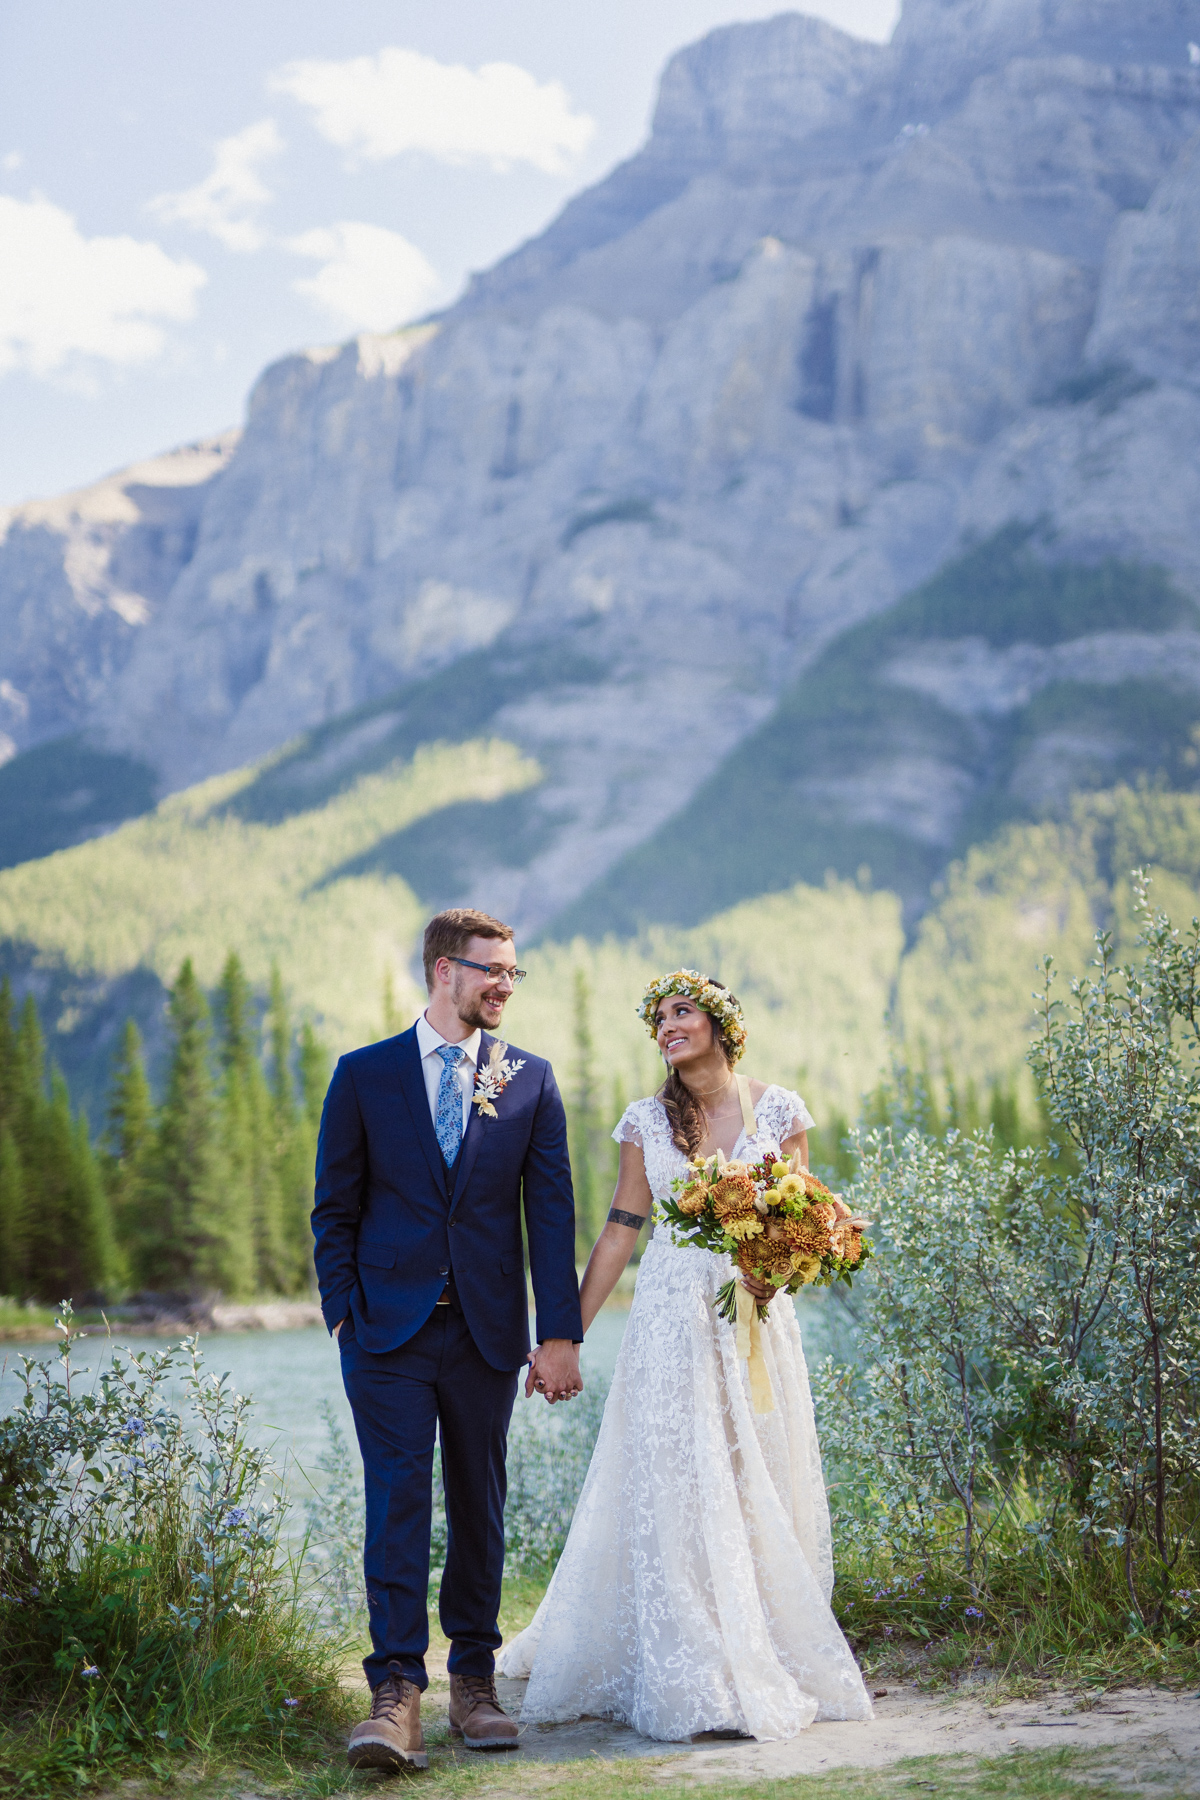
<point x="779" y="1222"/>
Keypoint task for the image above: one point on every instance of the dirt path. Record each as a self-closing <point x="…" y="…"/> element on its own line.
<point x="1154" y="1735"/>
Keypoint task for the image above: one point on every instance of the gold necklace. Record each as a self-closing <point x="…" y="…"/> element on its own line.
<point x="703" y="1096"/>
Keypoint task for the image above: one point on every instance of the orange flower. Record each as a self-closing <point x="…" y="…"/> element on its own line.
<point x="693" y="1198"/>
<point x="765" y="1256"/>
<point x="732" y="1197"/>
<point x="810" y="1236"/>
<point x="850" y="1244"/>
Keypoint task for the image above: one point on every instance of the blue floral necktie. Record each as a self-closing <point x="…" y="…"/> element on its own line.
<point x="449" y="1123"/>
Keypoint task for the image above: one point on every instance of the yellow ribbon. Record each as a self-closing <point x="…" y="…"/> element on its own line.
<point x="749" y="1347"/>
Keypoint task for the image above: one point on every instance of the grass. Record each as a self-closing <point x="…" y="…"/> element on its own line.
<point x="229" y="1754"/>
<point x="1039" y="1618"/>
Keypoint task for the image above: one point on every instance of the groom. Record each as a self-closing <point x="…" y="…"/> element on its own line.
<point x="421" y="1180"/>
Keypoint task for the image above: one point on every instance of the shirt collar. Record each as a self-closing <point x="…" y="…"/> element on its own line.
<point x="428" y="1040"/>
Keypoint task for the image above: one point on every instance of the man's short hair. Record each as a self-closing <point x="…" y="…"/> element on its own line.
<point x="450" y="932"/>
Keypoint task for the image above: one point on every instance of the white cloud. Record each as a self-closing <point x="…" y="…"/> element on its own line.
<point x="11" y="162"/>
<point x="222" y="204"/>
<point x="63" y="295"/>
<point x="372" y="279"/>
<point x="380" y="106"/>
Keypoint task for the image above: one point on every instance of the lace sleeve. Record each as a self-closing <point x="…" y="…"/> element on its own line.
<point x="629" y="1130"/>
<point x="791" y="1114"/>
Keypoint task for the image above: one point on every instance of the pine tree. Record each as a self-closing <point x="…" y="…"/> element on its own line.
<point x="249" y="1132"/>
<point x="314" y="1074"/>
<point x="14" y="1262"/>
<point x="8" y="1054"/>
<point x="203" y="1240"/>
<point x="71" y="1248"/>
<point x="28" y="1101"/>
<point x="1004" y="1115"/>
<point x="13" y="1259"/>
<point x="126" y="1155"/>
<point x="295" y="1140"/>
<point x="31" y="1173"/>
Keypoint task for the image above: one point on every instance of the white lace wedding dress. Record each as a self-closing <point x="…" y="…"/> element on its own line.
<point x="693" y="1592"/>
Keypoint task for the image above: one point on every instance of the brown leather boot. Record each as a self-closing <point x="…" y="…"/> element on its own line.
<point x="391" y="1738"/>
<point x="477" y="1717"/>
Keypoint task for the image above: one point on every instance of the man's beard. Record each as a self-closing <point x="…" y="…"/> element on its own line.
<point x="470" y="1008"/>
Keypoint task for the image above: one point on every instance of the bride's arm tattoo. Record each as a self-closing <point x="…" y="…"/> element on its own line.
<point x="635" y="1221"/>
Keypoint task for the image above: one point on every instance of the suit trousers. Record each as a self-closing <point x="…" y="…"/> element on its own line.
<point x="437" y="1381"/>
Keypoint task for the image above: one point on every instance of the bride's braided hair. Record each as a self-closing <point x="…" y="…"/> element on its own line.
<point x="685" y="1114"/>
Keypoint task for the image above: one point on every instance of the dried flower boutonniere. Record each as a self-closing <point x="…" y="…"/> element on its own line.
<point x="493" y="1078"/>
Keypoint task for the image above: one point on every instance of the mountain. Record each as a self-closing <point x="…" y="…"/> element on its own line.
<point x="820" y="490"/>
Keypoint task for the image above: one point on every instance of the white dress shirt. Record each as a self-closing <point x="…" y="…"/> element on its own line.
<point x="432" y="1065"/>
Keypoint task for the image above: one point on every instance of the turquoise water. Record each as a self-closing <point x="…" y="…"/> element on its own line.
<point x="288" y="1373"/>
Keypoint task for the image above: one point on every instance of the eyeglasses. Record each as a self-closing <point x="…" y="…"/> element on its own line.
<point x="493" y="971"/>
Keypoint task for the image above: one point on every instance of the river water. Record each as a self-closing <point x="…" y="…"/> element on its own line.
<point x="290" y="1373"/>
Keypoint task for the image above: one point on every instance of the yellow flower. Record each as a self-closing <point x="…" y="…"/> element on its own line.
<point x="790" y="1186"/>
<point x="741" y="1229"/>
<point x="772" y="1196"/>
<point x="779" y="1168"/>
<point x="807" y="1268"/>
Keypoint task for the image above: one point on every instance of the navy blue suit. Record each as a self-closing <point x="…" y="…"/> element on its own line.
<point x="395" y="1230"/>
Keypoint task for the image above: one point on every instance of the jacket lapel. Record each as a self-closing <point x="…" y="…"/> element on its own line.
<point x="475" y="1130"/>
<point x="412" y="1085"/>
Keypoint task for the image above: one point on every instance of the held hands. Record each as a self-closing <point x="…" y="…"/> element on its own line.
<point x="554" y="1370"/>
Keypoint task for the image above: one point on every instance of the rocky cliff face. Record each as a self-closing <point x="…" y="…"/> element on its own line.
<point x="849" y="309"/>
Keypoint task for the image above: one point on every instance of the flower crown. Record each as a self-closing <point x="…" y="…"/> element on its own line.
<point x="708" y="997"/>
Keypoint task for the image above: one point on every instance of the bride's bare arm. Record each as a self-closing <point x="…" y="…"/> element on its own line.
<point x="631" y="1205"/>
<point x="798" y="1142"/>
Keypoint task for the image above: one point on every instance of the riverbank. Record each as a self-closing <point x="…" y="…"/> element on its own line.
<point x="174" y="1315"/>
<point x="26" y="1324"/>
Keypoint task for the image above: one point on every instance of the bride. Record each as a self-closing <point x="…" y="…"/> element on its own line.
<point x="693" y="1591"/>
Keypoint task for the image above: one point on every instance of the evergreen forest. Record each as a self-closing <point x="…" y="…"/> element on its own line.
<point x="206" y="1190"/>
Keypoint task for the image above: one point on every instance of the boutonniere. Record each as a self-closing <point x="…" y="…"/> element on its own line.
<point x="493" y="1078"/>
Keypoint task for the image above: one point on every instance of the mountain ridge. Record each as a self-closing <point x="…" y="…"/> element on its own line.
<point x="851" y="310"/>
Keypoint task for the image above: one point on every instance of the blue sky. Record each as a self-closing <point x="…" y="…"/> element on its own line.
<point x="187" y="192"/>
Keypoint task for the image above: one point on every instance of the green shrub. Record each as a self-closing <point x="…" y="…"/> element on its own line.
<point x="1032" y="1387"/>
<point x="147" y="1604"/>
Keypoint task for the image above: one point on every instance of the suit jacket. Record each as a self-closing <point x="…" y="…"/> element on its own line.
<point x="392" y="1224"/>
